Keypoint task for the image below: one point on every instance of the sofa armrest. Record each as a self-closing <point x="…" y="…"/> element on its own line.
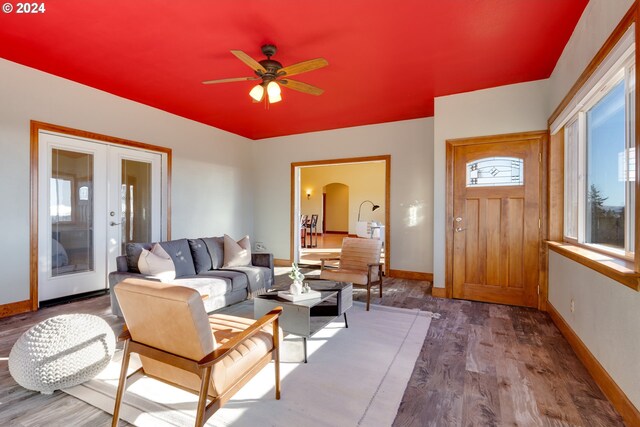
<point x="121" y="264"/>
<point x="263" y="259"/>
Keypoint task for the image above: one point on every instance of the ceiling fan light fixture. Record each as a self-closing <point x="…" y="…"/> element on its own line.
<point x="257" y="93"/>
<point x="273" y="90"/>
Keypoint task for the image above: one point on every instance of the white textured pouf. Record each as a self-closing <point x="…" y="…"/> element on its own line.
<point x="61" y="352"/>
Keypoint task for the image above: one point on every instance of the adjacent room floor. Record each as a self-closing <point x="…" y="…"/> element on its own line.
<point x="480" y="365"/>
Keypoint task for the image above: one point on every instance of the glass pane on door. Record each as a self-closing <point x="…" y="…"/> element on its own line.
<point x="71" y="212"/>
<point x="135" y="199"/>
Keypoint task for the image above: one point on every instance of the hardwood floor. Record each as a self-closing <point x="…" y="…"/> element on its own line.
<point x="480" y="365"/>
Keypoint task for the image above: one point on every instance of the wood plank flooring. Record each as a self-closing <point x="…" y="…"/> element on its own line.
<point x="480" y="365"/>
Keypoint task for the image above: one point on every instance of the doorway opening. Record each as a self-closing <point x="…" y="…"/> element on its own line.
<point x="333" y="199"/>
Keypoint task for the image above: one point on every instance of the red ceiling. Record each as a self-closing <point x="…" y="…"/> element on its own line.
<point x="387" y="60"/>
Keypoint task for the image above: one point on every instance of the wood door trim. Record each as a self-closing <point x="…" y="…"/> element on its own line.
<point x="387" y="214"/>
<point x="451" y="144"/>
<point x="36" y="127"/>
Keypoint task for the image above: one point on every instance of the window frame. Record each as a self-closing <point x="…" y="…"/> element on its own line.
<point x="623" y="70"/>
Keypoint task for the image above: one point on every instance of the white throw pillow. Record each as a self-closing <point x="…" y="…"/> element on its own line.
<point x="157" y="263"/>
<point x="236" y="254"/>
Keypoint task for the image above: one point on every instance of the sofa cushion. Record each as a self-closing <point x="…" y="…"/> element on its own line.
<point x="157" y="263"/>
<point x="180" y="253"/>
<point x="215" y="245"/>
<point x="207" y="287"/>
<point x="236" y="253"/>
<point x="259" y="278"/>
<point x="133" y="251"/>
<point x="237" y="279"/>
<point x="200" y="254"/>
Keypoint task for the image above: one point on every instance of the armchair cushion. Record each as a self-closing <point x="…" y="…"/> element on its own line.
<point x="357" y="277"/>
<point x="230" y="369"/>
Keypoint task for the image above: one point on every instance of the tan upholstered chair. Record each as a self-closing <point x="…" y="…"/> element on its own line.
<point x="359" y="264"/>
<point x="178" y="343"/>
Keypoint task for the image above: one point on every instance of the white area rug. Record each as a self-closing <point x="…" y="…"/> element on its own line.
<point x="355" y="377"/>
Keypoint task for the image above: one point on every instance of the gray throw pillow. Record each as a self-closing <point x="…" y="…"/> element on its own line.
<point x="180" y="253"/>
<point x="133" y="251"/>
<point x="200" y="254"/>
<point x="215" y="245"/>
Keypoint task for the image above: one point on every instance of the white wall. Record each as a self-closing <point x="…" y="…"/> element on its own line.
<point x="410" y="144"/>
<point x="607" y="314"/>
<point x="211" y="191"/>
<point x="507" y="109"/>
<point x="606" y="318"/>
<point x="597" y="22"/>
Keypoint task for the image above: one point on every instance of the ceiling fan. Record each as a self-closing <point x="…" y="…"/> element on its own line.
<point x="272" y="74"/>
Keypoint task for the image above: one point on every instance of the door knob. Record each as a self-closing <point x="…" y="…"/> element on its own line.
<point x="458" y="219"/>
<point x="113" y="223"/>
<point x="459" y="229"/>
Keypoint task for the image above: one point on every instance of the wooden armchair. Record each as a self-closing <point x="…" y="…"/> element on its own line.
<point x="359" y="264"/>
<point x="178" y="343"/>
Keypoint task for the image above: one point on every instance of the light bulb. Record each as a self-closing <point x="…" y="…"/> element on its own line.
<point x="257" y="93"/>
<point x="273" y="90"/>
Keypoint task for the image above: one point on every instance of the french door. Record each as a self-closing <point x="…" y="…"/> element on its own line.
<point x="93" y="198"/>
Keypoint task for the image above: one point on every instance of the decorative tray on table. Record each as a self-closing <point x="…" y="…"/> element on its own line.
<point x="300" y="297"/>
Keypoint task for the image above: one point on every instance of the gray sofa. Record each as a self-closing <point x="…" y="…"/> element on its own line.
<point x="198" y="264"/>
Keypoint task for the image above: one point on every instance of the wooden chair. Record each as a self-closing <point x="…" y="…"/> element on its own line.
<point x="178" y="343"/>
<point x="312" y="230"/>
<point x="359" y="264"/>
<point x="303" y="230"/>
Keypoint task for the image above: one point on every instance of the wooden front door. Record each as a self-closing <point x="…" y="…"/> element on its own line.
<point x="495" y="221"/>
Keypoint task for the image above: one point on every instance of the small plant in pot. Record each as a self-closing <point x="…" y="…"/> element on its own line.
<point x="297" y="277"/>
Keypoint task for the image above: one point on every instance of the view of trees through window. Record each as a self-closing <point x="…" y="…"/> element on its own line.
<point x="606" y="169"/>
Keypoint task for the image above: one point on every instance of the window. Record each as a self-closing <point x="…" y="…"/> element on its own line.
<point x="599" y="166"/>
<point x="60" y="207"/>
<point x="495" y="171"/>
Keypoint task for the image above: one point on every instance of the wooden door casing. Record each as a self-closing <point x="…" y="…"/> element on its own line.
<point x="496" y="230"/>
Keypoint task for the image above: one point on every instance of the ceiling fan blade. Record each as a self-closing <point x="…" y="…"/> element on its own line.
<point x="255" y="65"/>
<point x="301" y="87"/>
<point x="303" y="67"/>
<point x="234" y="79"/>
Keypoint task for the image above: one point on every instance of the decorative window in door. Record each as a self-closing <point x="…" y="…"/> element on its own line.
<point x="495" y="171"/>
